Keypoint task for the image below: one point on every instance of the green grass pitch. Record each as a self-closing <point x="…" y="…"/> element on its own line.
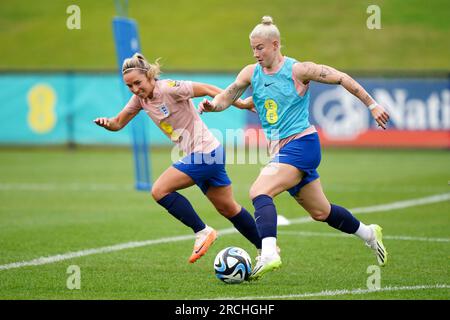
<point x="213" y="34"/>
<point x="55" y="201"/>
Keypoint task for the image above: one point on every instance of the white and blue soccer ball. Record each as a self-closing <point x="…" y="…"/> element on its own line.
<point x="233" y="265"/>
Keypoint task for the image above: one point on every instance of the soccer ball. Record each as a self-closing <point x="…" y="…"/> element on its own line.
<point x="232" y="265"/>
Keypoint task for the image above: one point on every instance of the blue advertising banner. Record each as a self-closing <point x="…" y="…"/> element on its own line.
<point x="58" y="108"/>
<point x="419" y="113"/>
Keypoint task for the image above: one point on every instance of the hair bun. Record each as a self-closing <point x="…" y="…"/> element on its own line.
<point x="267" y="20"/>
<point x="139" y="56"/>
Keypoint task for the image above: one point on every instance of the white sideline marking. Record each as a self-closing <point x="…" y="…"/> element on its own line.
<point x="136" y="244"/>
<point x="329" y="234"/>
<point x="332" y="293"/>
<point x="87" y="252"/>
<point x="404" y="204"/>
<point x="282" y="220"/>
<point x="389" y="206"/>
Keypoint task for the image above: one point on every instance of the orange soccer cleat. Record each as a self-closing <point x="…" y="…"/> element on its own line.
<point x="203" y="240"/>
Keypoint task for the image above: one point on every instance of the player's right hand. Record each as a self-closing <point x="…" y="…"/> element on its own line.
<point x="102" y="122"/>
<point x="381" y="116"/>
<point x="206" y="106"/>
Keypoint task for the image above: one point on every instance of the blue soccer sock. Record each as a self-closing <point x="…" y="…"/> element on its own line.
<point x="341" y="219"/>
<point x="180" y="207"/>
<point x="246" y="225"/>
<point x="265" y="216"/>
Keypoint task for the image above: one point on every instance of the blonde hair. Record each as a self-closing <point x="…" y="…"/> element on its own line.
<point x="266" y="29"/>
<point x="138" y="62"/>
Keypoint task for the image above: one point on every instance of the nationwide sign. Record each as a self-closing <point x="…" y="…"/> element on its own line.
<point x="419" y="114"/>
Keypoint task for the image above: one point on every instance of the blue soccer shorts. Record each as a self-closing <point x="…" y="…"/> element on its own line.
<point x="304" y="154"/>
<point x="206" y="169"/>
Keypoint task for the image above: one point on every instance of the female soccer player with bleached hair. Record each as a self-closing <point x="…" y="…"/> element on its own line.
<point x="281" y="97"/>
<point x="168" y="103"/>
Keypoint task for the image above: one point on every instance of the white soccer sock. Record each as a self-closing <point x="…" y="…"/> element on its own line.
<point x="269" y="246"/>
<point x="204" y="230"/>
<point x="364" y="232"/>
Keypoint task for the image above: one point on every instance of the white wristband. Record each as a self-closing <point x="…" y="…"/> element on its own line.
<point x="372" y="106"/>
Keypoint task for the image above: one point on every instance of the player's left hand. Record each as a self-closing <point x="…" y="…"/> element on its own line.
<point x="380" y="115"/>
<point x="248" y="104"/>
<point x="205" y="106"/>
<point x="245" y="104"/>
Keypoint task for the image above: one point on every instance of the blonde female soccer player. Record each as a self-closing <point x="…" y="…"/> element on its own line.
<point x="168" y="103"/>
<point x="281" y="97"/>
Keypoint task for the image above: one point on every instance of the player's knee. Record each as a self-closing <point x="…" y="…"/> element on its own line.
<point x="255" y="191"/>
<point x="155" y="193"/>
<point x="222" y="210"/>
<point x="318" y="214"/>
<point x="158" y="193"/>
<point x="228" y="210"/>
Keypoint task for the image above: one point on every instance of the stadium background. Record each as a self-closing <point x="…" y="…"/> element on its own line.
<point x="51" y="194"/>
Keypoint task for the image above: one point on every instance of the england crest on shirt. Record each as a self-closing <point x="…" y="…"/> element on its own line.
<point x="164" y="110"/>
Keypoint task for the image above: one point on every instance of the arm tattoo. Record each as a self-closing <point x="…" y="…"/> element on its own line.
<point x="358" y="91"/>
<point x="311" y="72"/>
<point x="355" y="90"/>
<point x="324" y="72"/>
<point x="235" y="92"/>
<point x="367" y="99"/>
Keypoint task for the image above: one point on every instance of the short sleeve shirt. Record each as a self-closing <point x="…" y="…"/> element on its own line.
<point x="172" y="110"/>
